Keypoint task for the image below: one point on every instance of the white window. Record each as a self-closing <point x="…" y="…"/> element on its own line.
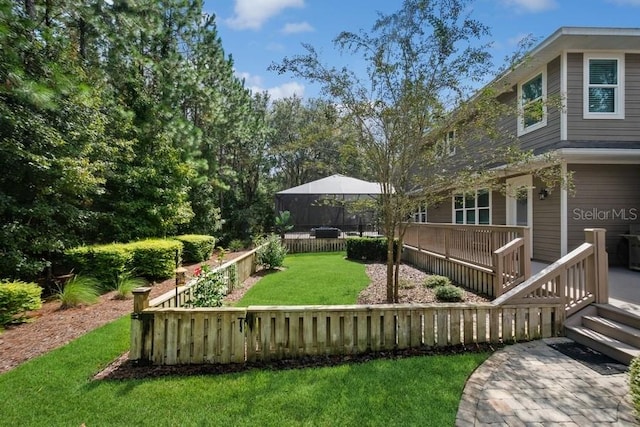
<point x="532" y="108"/>
<point x="420" y="215"/>
<point x="603" y="86"/>
<point x="472" y="207"/>
<point x="449" y="147"/>
<point x="446" y="147"/>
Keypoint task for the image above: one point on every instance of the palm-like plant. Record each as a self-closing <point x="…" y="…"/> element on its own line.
<point x="125" y="283"/>
<point x="77" y="291"/>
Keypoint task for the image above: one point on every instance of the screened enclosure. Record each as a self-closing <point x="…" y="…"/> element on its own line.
<point x="336" y="201"/>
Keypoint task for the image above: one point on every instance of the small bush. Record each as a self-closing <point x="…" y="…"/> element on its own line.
<point x="16" y="298"/>
<point x="634" y="384"/>
<point x="196" y="247"/>
<point x="210" y="288"/>
<point x="271" y="252"/>
<point x="449" y="293"/>
<point x="368" y="249"/>
<point x="155" y="259"/>
<point x="237" y="245"/>
<point x="435" y="281"/>
<point x="77" y="291"/>
<point x="125" y="283"/>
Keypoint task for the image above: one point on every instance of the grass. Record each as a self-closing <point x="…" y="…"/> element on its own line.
<point x="56" y="389"/>
<point x="310" y="279"/>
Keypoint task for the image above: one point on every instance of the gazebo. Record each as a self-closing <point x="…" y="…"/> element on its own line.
<point x="330" y="202"/>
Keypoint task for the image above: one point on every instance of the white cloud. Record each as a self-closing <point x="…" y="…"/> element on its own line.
<point x="275" y="47"/>
<point x="297" y="27"/>
<point x="532" y="5"/>
<point x="285" y="90"/>
<point x="252" y="14"/>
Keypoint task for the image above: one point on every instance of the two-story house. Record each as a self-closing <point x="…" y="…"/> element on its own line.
<point x="595" y="75"/>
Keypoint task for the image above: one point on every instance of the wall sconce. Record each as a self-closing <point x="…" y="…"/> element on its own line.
<point x="543" y="193"/>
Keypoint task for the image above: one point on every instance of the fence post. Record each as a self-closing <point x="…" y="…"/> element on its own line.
<point x="140" y="303"/>
<point x="498" y="270"/>
<point x="597" y="237"/>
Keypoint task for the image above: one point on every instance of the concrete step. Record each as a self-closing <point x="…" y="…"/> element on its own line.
<point x="616" y="349"/>
<point x="619" y="315"/>
<point x="613" y="329"/>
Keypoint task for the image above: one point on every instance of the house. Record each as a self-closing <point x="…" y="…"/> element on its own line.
<point x="595" y="75"/>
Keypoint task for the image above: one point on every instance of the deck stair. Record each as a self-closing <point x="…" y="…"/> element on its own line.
<point x="607" y="329"/>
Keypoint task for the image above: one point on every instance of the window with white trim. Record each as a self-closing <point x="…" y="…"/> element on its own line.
<point x="420" y="215"/>
<point x="472" y="207"/>
<point x="446" y="147"/>
<point x="532" y="108"/>
<point x="603" y="86"/>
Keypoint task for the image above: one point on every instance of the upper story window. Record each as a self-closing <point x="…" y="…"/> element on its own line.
<point x="447" y="147"/>
<point x="420" y="215"/>
<point x="603" y="86"/>
<point x="532" y="107"/>
<point x="472" y="207"/>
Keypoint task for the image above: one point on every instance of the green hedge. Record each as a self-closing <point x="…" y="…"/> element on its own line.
<point x="196" y="247"/>
<point x="368" y="249"/>
<point x="16" y="298"/>
<point x="104" y="262"/>
<point x="154" y="259"/>
<point x="634" y="384"/>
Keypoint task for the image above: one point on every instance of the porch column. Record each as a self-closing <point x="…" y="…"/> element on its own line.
<point x="600" y="272"/>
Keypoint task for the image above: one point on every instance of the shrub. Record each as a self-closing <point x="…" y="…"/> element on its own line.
<point x="196" y="247"/>
<point x="449" y="293"/>
<point x="210" y="288"/>
<point x="435" y="281"/>
<point x="125" y="283"/>
<point x="77" y="291"/>
<point x="237" y="245"/>
<point x="16" y="298"/>
<point x="104" y="262"/>
<point x="368" y="249"/>
<point x="271" y="252"/>
<point x="634" y="384"/>
<point x="155" y="259"/>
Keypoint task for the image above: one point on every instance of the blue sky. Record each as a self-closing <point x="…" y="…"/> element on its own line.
<point x="259" y="32"/>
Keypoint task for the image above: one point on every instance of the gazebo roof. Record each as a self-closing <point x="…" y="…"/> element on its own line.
<point x="336" y="184"/>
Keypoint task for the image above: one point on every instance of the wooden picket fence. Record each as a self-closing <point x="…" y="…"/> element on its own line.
<point x="162" y="334"/>
<point x="311" y="244"/>
<point x="169" y="336"/>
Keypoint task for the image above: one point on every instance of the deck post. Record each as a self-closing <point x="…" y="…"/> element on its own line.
<point x="526" y="253"/>
<point x="138" y="339"/>
<point x="597" y="237"/>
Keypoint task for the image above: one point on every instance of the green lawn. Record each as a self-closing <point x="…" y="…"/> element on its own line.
<point x="57" y="390"/>
<point x="310" y="279"/>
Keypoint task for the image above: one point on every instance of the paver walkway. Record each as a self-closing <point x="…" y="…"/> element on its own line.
<point x="531" y="384"/>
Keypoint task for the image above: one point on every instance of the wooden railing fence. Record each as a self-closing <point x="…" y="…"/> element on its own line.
<point x="488" y="259"/>
<point x="168" y="336"/>
<point x="311" y="244"/>
<point x="575" y="280"/>
<point x="162" y="334"/>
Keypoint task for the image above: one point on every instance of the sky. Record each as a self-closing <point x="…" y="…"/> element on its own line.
<point x="257" y="33"/>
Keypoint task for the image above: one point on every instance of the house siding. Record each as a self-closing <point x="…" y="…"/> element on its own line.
<point x="580" y="129"/>
<point x="604" y="198"/>
<point x="546" y="224"/>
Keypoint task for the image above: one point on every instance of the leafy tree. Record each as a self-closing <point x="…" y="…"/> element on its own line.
<point x="421" y="65"/>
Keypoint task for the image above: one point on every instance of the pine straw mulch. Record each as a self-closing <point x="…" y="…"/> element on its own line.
<point x="51" y="328"/>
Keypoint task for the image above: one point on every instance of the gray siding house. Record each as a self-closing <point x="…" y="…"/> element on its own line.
<point x="594" y="73"/>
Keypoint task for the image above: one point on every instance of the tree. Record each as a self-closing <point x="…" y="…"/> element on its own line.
<point x="421" y="65"/>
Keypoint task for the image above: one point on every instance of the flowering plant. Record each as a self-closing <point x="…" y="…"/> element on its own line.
<point x="210" y="287"/>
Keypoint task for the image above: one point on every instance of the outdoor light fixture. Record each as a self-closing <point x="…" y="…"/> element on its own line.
<point x="543" y="193"/>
